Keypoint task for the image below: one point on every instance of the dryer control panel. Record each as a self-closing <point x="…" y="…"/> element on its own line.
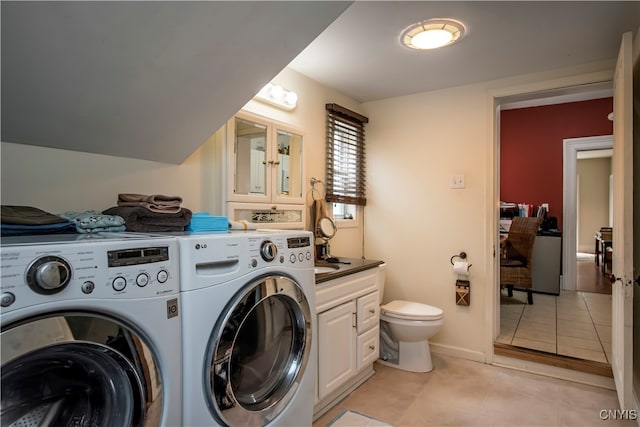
<point x="280" y="250"/>
<point x="92" y="268"/>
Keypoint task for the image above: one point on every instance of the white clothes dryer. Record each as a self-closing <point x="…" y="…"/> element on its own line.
<point x="249" y="342"/>
<point x="91" y="333"/>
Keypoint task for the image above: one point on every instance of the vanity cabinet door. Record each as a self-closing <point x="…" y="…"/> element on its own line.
<point x="336" y="347"/>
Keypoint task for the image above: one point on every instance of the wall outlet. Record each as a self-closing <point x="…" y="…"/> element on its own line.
<point x="457" y="181"/>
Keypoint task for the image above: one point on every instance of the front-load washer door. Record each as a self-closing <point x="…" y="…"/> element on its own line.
<point x="76" y="369"/>
<point x="258" y="352"/>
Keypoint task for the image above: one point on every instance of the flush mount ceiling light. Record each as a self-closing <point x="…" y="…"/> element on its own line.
<point x="432" y="33"/>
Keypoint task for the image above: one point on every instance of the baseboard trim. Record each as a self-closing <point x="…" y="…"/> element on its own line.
<point x="566" y="362"/>
<point x="463" y="353"/>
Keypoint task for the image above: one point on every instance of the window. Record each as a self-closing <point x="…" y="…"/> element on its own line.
<point x="345" y="161"/>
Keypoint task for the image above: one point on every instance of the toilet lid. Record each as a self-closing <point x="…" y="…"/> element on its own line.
<point x="411" y="310"/>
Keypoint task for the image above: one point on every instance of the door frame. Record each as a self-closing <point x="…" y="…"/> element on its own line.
<point x="552" y="87"/>
<point x="571" y="147"/>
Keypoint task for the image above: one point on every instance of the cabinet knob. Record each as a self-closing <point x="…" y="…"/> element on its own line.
<point x="372" y="347"/>
<point x="372" y="311"/>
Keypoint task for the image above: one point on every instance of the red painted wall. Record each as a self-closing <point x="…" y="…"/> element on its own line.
<point x="531" y="148"/>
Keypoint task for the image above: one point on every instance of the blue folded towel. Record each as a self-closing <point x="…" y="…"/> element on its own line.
<point x="203" y="221"/>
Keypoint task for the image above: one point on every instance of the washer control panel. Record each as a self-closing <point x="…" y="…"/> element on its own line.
<point x="212" y="259"/>
<point x="113" y="269"/>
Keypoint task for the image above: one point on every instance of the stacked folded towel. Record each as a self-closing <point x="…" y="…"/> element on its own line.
<point x="155" y="203"/>
<point x="29" y="220"/>
<point x="203" y="221"/>
<point x="94" y="222"/>
<point x="151" y="214"/>
<point x="143" y="220"/>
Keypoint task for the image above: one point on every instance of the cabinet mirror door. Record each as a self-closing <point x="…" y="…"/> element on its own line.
<point x="289" y="165"/>
<point x="250" y="172"/>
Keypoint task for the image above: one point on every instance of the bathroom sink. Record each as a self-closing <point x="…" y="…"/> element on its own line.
<point x="319" y="269"/>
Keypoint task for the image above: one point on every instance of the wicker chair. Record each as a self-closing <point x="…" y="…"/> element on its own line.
<point x="517" y="251"/>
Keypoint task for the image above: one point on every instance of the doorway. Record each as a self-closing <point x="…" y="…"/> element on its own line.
<point x="579" y="214"/>
<point x="562" y="325"/>
<point x="594" y="225"/>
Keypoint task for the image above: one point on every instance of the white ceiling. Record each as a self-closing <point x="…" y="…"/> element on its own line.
<point x="360" y="54"/>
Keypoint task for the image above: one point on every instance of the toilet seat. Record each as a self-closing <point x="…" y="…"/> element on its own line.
<point x="409" y="310"/>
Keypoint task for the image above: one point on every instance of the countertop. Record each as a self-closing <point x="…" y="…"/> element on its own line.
<point x="356" y="265"/>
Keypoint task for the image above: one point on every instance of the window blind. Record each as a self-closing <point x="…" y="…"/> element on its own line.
<point x="345" y="167"/>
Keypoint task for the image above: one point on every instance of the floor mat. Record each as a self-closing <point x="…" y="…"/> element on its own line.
<point x="354" y="419"/>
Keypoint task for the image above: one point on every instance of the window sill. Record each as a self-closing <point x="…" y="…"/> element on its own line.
<point x="347" y="223"/>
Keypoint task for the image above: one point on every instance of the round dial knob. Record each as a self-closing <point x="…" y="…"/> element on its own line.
<point x="48" y="274"/>
<point x="268" y="250"/>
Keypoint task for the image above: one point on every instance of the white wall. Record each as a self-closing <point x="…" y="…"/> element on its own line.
<point x="593" y="199"/>
<point x="414" y="221"/>
<point x="59" y="180"/>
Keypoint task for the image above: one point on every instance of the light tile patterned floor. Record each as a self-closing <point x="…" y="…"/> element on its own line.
<point x="576" y="324"/>
<point x="460" y="392"/>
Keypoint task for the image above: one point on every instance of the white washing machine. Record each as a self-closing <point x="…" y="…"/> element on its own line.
<point x="91" y="332"/>
<point x="249" y="346"/>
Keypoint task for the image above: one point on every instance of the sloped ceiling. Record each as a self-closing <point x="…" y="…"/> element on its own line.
<point x="146" y="80"/>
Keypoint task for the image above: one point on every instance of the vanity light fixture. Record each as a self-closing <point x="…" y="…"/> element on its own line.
<point x="433" y="33"/>
<point x="277" y="96"/>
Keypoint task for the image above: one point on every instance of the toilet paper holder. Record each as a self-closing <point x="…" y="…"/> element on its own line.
<point x="462" y="255"/>
<point x="463" y="285"/>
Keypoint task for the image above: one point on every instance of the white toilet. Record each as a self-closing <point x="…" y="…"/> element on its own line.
<point x="405" y="330"/>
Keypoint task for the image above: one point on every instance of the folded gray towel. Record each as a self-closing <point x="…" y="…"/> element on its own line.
<point x="142" y="220"/>
<point x="155" y="202"/>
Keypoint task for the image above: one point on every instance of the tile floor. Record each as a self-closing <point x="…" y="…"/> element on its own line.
<point x="460" y="392"/>
<point x="576" y="324"/>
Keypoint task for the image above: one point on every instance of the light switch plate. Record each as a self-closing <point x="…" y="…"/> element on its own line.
<point x="457" y="181"/>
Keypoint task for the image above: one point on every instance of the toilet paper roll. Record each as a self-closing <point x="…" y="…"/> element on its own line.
<point x="461" y="267"/>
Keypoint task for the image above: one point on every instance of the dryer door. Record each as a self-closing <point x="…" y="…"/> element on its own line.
<point x="258" y="352"/>
<point x="75" y="369"/>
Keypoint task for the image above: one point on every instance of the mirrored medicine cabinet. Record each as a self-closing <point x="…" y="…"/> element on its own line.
<point x="266" y="174"/>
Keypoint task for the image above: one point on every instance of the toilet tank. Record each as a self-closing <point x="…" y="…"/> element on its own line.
<point x="380" y="280"/>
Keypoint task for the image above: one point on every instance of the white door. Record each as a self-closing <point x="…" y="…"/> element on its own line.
<point x="622" y="293"/>
<point x="336" y="347"/>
